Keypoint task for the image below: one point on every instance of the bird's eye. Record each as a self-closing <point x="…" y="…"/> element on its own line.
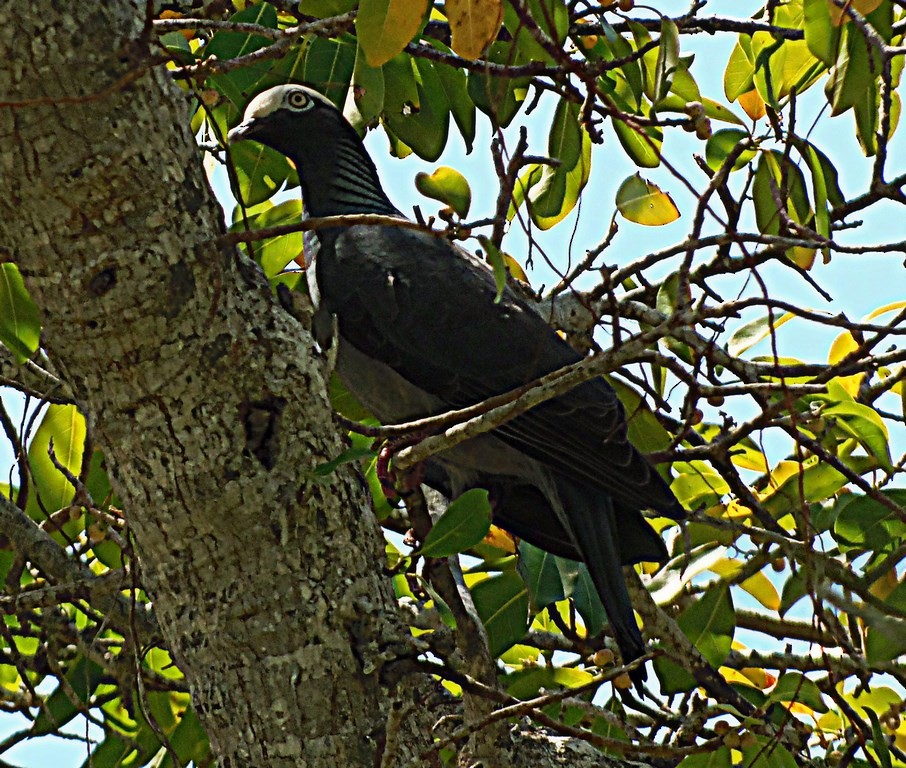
<point x="298" y="100"/>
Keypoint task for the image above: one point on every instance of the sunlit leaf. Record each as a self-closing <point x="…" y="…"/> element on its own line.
<point x="667" y="58"/>
<point x="64" y="427"/>
<point x="473" y="25"/>
<point x="722" y="143"/>
<point x="645" y="203"/>
<point x="794" y="686"/>
<point x="642" y="144"/>
<point x="748" y="335"/>
<point x="752" y="104"/>
<point x="557" y="190"/>
<point x="20" y="321"/>
<point x="865" y="524"/>
<point x="821" y="34"/>
<point x="448" y="186"/>
<point x="384" y="27"/>
<point x="740" y="72"/>
<point x="886" y="638"/>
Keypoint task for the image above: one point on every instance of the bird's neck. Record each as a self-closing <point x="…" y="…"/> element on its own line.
<point x="339" y="178"/>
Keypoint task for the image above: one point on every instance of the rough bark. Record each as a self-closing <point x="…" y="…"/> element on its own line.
<point x="204" y="394"/>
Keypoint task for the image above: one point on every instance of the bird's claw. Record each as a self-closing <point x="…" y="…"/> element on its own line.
<point x="397" y="484"/>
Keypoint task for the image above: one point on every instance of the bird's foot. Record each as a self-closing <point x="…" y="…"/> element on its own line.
<point x="398" y="484"/>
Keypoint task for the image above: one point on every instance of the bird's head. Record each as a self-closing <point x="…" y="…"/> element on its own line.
<point x="287" y="117"/>
<point x="336" y="174"/>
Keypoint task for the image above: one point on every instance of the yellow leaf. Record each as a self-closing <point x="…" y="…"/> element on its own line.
<point x="499" y="538"/>
<point x="802" y="257"/>
<point x="749" y="676"/>
<point x="752" y="104"/>
<point x="842" y="346"/>
<point x="862" y="7"/>
<point x="384" y="27"/>
<point x="474" y="24"/>
<point x="515" y="268"/>
<point x="645" y="203"/>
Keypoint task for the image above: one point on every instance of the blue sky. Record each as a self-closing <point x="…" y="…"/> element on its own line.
<point x="858" y="284"/>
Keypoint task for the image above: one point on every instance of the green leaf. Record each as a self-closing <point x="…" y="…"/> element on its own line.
<point x="83" y="678"/>
<point x="456" y="89"/>
<point x="65" y="426"/>
<point x="767" y="752"/>
<point x="642" y="144"/>
<point x="552" y="18"/>
<point x="645" y="430"/>
<point x="722" y="143"/>
<point x="20" y="321"/>
<point x="541" y="575"/>
<point x="866" y="112"/>
<point x="584" y="594"/>
<point x="261" y="172"/>
<point x="879" y="740"/>
<point x="821" y="36"/>
<point x="464" y="523"/>
<point x="865" y="524"/>
<point x="739" y="76"/>
<point x="713" y="758"/>
<point x="767" y="176"/>
<point x="422" y="124"/>
<point x="557" y="190"/>
<point x="497" y="261"/>
<point x="448" y="186"/>
<point x="502" y="604"/>
<point x="794" y="589"/>
<point x="499" y="97"/>
<point x="385" y="27"/>
<point x="318" y="60"/>
<point x="239" y="83"/>
<point x="818" y="481"/>
<point x="770" y="60"/>
<point x="852" y="75"/>
<point x="866" y="426"/>
<point x="189" y="740"/>
<point x="886" y="638"/>
<point x="819" y="188"/>
<point x="565" y="140"/>
<point x="697" y="485"/>
<point x="710" y="623"/>
<point x="667" y="59"/>
<point x="794" y="686"/>
<point x="275" y="253"/>
<point x="748" y="335"/>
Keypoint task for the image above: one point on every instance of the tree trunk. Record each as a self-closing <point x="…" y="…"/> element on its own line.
<point x="204" y="394"/>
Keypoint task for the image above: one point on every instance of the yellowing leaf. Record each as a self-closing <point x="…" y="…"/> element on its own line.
<point x="645" y="203"/>
<point x="839" y="16"/>
<point x="758" y="585"/>
<point x="474" y="24"/>
<point x="499" y="538"/>
<point x="515" y="268"/>
<point x="752" y="104"/>
<point x="842" y="346"/>
<point x="802" y="257"/>
<point x="384" y="27"/>
<point x="448" y="186"/>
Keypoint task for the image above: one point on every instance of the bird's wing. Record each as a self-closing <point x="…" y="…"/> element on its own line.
<point x="429" y="310"/>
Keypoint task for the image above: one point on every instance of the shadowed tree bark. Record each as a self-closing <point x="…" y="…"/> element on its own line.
<point x="203" y="393"/>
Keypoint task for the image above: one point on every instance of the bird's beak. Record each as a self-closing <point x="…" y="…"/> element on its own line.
<point x="245" y="130"/>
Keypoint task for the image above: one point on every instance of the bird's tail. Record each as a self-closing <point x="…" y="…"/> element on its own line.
<point x="593" y="523"/>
